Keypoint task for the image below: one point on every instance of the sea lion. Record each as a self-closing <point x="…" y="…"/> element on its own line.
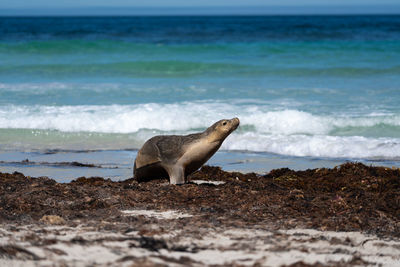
<point x="177" y="156"/>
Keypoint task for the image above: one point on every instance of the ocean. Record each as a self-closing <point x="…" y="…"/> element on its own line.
<point x="310" y="91"/>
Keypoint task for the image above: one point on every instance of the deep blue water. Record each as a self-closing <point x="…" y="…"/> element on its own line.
<point x="202" y="29"/>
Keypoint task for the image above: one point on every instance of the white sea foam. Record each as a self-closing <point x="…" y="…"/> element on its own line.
<point x="178" y="117"/>
<point x="286" y="131"/>
<point x="317" y="145"/>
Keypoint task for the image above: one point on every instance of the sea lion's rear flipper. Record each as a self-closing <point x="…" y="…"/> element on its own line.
<point x="176" y="174"/>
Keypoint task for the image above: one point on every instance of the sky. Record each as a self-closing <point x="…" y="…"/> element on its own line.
<point x="60" y="7"/>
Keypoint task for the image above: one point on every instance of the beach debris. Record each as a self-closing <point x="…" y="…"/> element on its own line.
<point x="52" y="219"/>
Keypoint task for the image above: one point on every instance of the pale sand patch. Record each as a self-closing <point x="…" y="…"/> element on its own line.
<point x="208" y="182"/>
<point x="86" y="245"/>
<point x="285" y="247"/>
<point x="167" y="215"/>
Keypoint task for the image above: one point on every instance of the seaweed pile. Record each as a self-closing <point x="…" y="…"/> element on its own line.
<point x="349" y="197"/>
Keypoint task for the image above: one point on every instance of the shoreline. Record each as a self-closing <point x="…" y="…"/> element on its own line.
<point x="156" y="223"/>
<point x="66" y="165"/>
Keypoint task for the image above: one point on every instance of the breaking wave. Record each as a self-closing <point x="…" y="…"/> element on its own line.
<point x="285" y="131"/>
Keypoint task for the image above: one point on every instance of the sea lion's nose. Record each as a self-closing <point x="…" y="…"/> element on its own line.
<point x="236" y="121"/>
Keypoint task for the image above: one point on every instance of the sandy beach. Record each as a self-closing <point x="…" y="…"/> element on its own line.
<point x="344" y="216"/>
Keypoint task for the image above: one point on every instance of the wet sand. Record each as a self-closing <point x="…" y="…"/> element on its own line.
<point x="345" y="216"/>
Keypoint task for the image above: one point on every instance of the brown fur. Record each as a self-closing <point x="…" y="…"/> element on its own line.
<point x="177" y="156"/>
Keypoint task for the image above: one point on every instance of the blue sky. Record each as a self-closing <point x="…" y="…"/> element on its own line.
<point x="10" y="7"/>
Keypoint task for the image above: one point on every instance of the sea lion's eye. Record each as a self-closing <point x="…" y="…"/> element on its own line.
<point x="224" y="123"/>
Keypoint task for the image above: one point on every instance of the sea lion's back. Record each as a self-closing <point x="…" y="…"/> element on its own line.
<point x="160" y="148"/>
<point x="170" y="147"/>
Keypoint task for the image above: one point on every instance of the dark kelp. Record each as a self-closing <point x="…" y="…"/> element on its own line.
<point x="350" y="197"/>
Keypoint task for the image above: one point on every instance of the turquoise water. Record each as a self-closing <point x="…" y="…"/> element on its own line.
<point x="304" y="87"/>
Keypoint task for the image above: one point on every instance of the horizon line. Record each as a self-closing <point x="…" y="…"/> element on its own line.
<point x="204" y="10"/>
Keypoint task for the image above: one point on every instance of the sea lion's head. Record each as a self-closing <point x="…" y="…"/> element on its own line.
<point x="221" y="129"/>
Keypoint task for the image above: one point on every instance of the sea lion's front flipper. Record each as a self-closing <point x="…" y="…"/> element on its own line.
<point x="176" y="174"/>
